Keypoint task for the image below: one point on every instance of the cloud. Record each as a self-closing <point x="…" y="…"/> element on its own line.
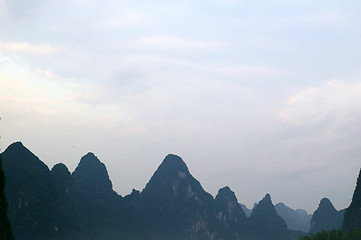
<point x="126" y="18"/>
<point x="177" y="43"/>
<point x="336" y="101"/>
<point x="243" y="70"/>
<point x="29" y="48"/>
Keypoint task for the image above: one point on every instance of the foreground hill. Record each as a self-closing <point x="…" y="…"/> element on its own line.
<point x="353" y="212"/>
<point x="56" y="204"/>
<point x="5" y="228"/>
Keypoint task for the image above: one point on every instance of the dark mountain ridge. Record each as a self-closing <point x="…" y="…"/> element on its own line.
<point x="5" y="228"/>
<point x="264" y="223"/>
<point x="326" y="217"/>
<point x="352" y="218"/>
<point x="57" y="204"/>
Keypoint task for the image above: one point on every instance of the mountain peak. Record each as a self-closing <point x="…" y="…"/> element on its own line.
<point x="16" y="145"/>
<point x="267" y="199"/>
<point x="281" y="204"/>
<point x="172" y="161"/>
<point x="326" y="217"/>
<point x="18" y="155"/>
<point x="91" y="177"/>
<point x="62" y="178"/>
<point x="265" y="222"/>
<point x="325" y="203"/>
<point x="89" y="158"/>
<point x="19" y="148"/>
<point x="172" y="181"/>
<point x="226" y="193"/>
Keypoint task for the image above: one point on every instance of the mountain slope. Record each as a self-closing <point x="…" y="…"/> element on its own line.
<point x="297" y="220"/>
<point x="264" y="222"/>
<point x="230" y="217"/>
<point x="326" y="217"/>
<point x="177" y="205"/>
<point x="352" y="218"/>
<point x="31" y="194"/>
<point x="5" y="228"/>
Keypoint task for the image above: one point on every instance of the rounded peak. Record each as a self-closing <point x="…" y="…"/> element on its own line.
<point x="226" y="193"/>
<point x="60" y="167"/>
<point x="172" y="161"/>
<point x="89" y="158"/>
<point x="21" y="157"/>
<point x="325" y="202"/>
<point x="281" y="205"/>
<point x="90" y="155"/>
<point x="16" y="146"/>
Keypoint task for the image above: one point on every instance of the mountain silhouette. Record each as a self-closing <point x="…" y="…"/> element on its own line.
<point x="91" y="179"/>
<point x="352" y="219"/>
<point x="59" y="205"/>
<point x="265" y="224"/>
<point x="246" y="210"/>
<point x="298" y="220"/>
<point x="62" y="179"/>
<point x="231" y="219"/>
<point x="5" y="227"/>
<point x="326" y="217"/>
<point x="31" y="194"/>
<point x="177" y="205"/>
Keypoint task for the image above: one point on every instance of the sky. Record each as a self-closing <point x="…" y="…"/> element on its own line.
<point x="261" y="96"/>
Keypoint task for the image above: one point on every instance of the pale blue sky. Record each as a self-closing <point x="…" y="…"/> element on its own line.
<point x="263" y="96"/>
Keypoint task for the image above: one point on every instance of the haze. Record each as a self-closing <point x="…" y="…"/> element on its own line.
<point x="262" y="96"/>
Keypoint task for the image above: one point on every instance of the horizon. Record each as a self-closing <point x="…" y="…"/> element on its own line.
<point x="141" y="190"/>
<point x="262" y="96"/>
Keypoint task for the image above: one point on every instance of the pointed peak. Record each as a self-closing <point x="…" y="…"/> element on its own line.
<point x="267" y="198"/>
<point x="135" y="192"/>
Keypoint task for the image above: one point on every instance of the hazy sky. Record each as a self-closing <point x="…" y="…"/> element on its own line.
<point x="262" y="96"/>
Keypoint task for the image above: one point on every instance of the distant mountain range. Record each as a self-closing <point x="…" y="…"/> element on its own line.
<point x="56" y="204"/>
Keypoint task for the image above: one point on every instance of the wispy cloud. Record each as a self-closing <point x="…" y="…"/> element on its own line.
<point x="24" y="47"/>
<point x="172" y="42"/>
<point x="334" y="100"/>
